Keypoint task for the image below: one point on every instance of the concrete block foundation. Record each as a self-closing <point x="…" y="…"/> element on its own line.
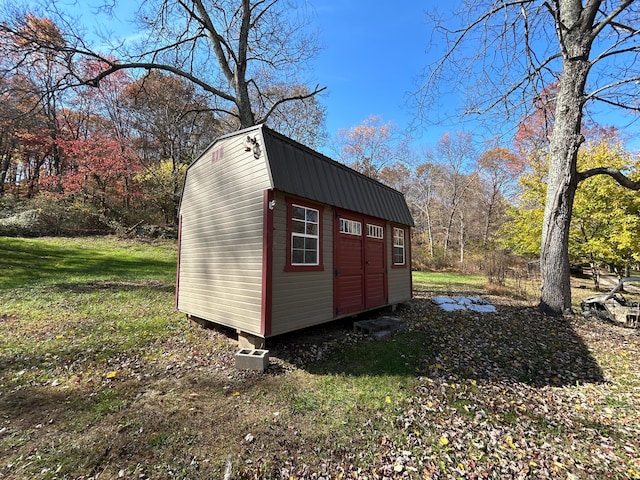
<point x="252" y="359"/>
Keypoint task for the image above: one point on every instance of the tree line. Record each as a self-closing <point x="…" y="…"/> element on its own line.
<point x="108" y="157"/>
<point x="80" y="155"/>
<point x="247" y="59"/>
<point x="87" y="159"/>
<point x="472" y="203"/>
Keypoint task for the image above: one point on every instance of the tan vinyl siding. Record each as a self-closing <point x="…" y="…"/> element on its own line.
<point x="300" y="299"/>
<point x="399" y="279"/>
<point x="222" y="233"/>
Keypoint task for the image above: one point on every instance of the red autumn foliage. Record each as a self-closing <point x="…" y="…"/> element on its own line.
<point x="98" y="165"/>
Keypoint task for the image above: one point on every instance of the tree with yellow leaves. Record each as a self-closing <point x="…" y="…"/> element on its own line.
<point x="605" y="215"/>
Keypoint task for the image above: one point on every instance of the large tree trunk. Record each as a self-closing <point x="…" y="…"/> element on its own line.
<point x="563" y="177"/>
<point x="5" y="163"/>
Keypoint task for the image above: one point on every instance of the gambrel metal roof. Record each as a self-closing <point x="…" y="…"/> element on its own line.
<point x="299" y="170"/>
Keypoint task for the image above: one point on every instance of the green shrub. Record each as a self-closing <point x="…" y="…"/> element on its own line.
<point x="48" y="214"/>
<point x="26" y="223"/>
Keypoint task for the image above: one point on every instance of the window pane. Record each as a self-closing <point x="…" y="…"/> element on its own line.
<point x="312" y="229"/>
<point x="297" y="226"/>
<point x="312" y="215"/>
<point x="298" y="242"/>
<point x="297" y="256"/>
<point x="298" y="213"/>
<point x="310" y="244"/>
<point x="310" y="257"/>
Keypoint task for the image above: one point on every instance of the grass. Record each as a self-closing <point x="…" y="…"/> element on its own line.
<point x="62" y="261"/>
<point x="446" y="282"/>
<point x="101" y="378"/>
<point x="69" y="297"/>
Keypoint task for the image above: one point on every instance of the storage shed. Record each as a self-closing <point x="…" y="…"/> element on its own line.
<point x="275" y="237"/>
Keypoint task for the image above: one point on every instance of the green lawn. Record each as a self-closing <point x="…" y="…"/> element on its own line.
<point x="446" y="282"/>
<point x="28" y="263"/>
<point x="100" y="377"/>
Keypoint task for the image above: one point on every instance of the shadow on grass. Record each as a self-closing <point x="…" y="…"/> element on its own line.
<point x="514" y="345"/>
<point x="94" y="286"/>
<point x="33" y="262"/>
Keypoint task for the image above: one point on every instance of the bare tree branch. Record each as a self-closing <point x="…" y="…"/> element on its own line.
<point x="594" y="5"/>
<point x="614" y="173"/>
<point x="252" y="42"/>
<point x="276" y="104"/>
<point x="95" y="81"/>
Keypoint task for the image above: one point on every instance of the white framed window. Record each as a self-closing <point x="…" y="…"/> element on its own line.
<point x="375" y="231"/>
<point x="305" y="236"/>
<point x="350" y="227"/>
<point x="398" y="246"/>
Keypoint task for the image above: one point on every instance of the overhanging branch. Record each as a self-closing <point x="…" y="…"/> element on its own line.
<point x="295" y="97"/>
<point x="114" y="67"/>
<point x="617" y="175"/>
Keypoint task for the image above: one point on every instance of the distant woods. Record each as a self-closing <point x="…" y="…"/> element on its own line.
<point x="96" y="139"/>
<point x="480" y="208"/>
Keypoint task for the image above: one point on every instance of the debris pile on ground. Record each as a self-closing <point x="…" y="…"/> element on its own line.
<point x="380" y="327"/>
<point x="475" y="304"/>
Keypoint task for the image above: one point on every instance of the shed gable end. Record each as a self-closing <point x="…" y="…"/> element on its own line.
<point x="221" y="241"/>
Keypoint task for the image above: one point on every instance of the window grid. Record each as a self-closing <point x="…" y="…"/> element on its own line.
<point x="398" y="246"/>
<point x="375" y="231"/>
<point x="350" y="227"/>
<point x="304" y="236"/>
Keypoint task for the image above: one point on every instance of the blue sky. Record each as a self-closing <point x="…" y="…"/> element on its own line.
<point x="373" y="54"/>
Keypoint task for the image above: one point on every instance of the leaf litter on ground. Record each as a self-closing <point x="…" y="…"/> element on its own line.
<point x="507" y="395"/>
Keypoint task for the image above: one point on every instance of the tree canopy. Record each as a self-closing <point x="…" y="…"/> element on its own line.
<point x="248" y="56"/>
<point x="508" y="54"/>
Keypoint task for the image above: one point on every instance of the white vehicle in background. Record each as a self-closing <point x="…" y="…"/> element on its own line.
<point x="613" y="306"/>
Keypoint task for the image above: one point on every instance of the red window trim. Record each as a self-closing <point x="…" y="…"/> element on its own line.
<point x="304" y="268"/>
<point x="393" y="263"/>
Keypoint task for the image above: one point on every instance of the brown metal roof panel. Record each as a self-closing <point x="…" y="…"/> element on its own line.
<point x="298" y="170"/>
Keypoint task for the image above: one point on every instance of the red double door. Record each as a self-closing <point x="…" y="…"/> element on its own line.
<point x="360" y="268"/>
